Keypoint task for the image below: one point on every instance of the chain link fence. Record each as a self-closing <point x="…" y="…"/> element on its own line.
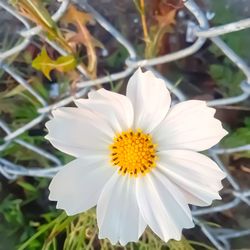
<point x="196" y="34"/>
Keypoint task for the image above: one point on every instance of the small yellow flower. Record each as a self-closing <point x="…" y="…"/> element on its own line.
<point x="136" y="159"/>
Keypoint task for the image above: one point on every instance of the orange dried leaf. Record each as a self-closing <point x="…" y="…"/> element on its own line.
<point x="82" y="35"/>
<point x="74" y="16"/>
<point x="167" y="19"/>
<point x="37" y="13"/>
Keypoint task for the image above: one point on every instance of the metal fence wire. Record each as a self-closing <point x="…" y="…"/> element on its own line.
<point x="196" y="34"/>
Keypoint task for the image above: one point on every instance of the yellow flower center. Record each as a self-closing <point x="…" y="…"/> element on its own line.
<point x="133" y="152"/>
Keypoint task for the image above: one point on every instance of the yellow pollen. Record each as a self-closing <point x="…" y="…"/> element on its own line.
<point x="133" y="152"/>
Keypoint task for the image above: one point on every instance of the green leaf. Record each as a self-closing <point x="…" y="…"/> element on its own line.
<point x="116" y="59"/>
<point x="27" y="186"/>
<point x="239" y="137"/>
<point x="15" y="91"/>
<point x="183" y="244"/>
<point x="201" y="244"/>
<point x="45" y="64"/>
<point x="247" y="122"/>
<point x="227" y="77"/>
<point x="11" y="211"/>
<point x="216" y="70"/>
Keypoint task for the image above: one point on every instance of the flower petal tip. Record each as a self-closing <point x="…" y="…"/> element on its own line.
<point x="46" y="137"/>
<point x="225" y="132"/>
<point x="66" y="210"/>
<point x="76" y="100"/>
<point x="139" y="70"/>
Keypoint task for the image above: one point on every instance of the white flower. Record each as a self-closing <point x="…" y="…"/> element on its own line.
<point x="136" y="159"/>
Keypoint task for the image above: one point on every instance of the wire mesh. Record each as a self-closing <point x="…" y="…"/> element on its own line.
<point x="197" y="33"/>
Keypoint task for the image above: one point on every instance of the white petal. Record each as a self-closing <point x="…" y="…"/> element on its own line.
<point x="189" y="125"/>
<point x="197" y="176"/>
<point x="162" y="206"/>
<point x="104" y="110"/>
<point x="115" y="108"/>
<point x="79" y="132"/>
<point x="150" y="99"/>
<point x="77" y="187"/>
<point x="118" y="215"/>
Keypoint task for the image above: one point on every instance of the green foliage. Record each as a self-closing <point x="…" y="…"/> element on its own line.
<point x="227" y="77"/>
<point x="238" y="41"/>
<point x="11" y="211"/>
<point x="117" y="58"/>
<point x="183" y="244"/>
<point x="80" y="232"/>
<point x="14" y="226"/>
<point x="219" y="7"/>
<point x="239" y="137"/>
<point x="20" y="217"/>
<point x="15" y="91"/>
<point x="21" y="107"/>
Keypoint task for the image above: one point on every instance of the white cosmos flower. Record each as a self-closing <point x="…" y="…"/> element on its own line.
<point x="136" y="159"/>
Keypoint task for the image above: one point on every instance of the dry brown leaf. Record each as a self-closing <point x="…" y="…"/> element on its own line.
<point x="35" y="11"/>
<point x="80" y="19"/>
<point x="167" y="15"/>
<point x="167" y="19"/>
